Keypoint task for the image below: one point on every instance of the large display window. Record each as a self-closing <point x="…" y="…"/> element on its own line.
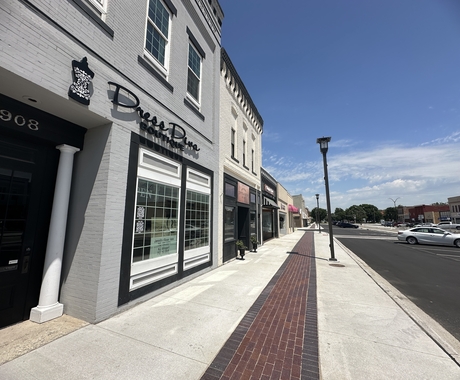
<point x="168" y="232"/>
<point x="155" y="251"/>
<point x="197" y="219"/>
<point x="155" y="231"/>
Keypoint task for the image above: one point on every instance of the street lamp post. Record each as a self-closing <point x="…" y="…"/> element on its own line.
<point x="317" y="209"/>
<point x="323" y="144"/>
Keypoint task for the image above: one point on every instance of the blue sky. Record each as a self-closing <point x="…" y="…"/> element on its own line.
<point x="381" y="77"/>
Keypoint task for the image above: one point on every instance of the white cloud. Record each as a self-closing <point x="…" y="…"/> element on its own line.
<point x="453" y="138"/>
<point x="416" y="174"/>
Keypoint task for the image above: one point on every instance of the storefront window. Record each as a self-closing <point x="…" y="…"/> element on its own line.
<point x="229" y="223"/>
<point x="229" y="190"/>
<point x="156" y="220"/>
<point x="252" y="222"/>
<point x="282" y="222"/>
<point x="197" y="220"/>
<point x="267" y="224"/>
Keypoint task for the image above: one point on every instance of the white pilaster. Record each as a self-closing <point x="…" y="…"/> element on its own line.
<point x="48" y="306"/>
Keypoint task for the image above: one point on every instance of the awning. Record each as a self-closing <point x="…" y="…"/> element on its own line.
<point x="269" y="203"/>
<point x="292" y="208"/>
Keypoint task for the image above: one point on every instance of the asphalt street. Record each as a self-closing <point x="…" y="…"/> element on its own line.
<point x="427" y="275"/>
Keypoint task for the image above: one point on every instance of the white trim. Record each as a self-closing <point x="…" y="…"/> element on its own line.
<point x="195" y="185"/>
<point x="99" y="6"/>
<point x="153" y="275"/>
<point x="197" y="102"/>
<point x="164" y="69"/>
<point x="145" y="168"/>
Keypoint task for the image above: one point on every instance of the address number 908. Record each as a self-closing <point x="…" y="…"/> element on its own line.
<point x="19" y="120"/>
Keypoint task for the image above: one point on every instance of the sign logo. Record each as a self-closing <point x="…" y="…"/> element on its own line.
<point x="79" y="89"/>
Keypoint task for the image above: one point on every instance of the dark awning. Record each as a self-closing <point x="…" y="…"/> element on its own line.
<point x="269" y="203"/>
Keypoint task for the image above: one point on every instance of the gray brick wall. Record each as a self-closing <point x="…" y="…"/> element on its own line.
<point x="38" y="44"/>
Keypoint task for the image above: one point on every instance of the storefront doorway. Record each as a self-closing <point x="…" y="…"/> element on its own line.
<point x="268" y="225"/>
<point x="243" y="225"/>
<point x="27" y="175"/>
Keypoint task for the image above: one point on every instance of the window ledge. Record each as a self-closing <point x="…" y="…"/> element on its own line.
<point x="144" y="63"/>
<point x="193" y="108"/>
<point x="234" y="159"/>
<point x="94" y="17"/>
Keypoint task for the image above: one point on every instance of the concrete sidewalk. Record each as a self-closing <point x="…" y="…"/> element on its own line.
<point x="363" y="333"/>
<point x="369" y="330"/>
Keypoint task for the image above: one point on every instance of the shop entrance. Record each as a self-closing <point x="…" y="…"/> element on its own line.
<point x="27" y="175"/>
<point x="243" y="225"/>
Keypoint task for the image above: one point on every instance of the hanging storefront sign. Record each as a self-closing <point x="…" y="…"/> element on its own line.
<point x="174" y="135"/>
<point x="243" y="193"/>
<point x="79" y="90"/>
<point x="269" y="190"/>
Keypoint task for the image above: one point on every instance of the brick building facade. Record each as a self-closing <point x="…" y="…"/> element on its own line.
<point x="110" y="152"/>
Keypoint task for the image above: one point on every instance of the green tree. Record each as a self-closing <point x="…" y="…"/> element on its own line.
<point x="355" y="213"/>
<point x="372" y="212"/>
<point x="390" y="213"/>
<point x="322" y="213"/>
<point x="339" y="214"/>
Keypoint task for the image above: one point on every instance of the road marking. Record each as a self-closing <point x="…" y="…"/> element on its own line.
<point x="365" y="237"/>
<point x="444" y="255"/>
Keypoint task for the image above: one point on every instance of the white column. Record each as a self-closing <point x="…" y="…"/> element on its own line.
<point x="48" y="306"/>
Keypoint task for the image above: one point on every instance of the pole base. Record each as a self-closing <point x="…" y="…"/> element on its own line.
<point x="40" y="314"/>
<point x="332" y="259"/>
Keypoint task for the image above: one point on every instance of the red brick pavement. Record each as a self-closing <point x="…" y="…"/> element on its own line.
<point x="278" y="337"/>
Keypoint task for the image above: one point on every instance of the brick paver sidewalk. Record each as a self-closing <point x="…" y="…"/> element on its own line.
<point x="278" y="337"/>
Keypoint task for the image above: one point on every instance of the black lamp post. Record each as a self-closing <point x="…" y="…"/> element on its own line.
<point x="323" y="144"/>
<point x="317" y="210"/>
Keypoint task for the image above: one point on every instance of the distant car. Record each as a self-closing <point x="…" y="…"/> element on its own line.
<point x="348" y="225"/>
<point x="429" y="235"/>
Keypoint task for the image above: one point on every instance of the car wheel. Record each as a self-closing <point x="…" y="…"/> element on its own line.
<point x="458" y="227"/>
<point x="457" y="243"/>
<point x="411" y="240"/>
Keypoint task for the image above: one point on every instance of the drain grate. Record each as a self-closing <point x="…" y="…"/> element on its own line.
<point x="337" y="265"/>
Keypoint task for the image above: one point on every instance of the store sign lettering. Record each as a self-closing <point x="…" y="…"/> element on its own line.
<point x="18" y="120"/>
<point x="173" y="134"/>
<point x="269" y="190"/>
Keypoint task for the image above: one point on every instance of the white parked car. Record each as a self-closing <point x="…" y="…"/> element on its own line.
<point x="448" y="226"/>
<point x="429" y="235"/>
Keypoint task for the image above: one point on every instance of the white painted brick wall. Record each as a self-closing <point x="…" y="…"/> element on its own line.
<point x="33" y="47"/>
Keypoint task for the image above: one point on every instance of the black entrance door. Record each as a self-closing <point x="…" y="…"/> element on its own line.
<point x="27" y="175"/>
<point x="243" y="225"/>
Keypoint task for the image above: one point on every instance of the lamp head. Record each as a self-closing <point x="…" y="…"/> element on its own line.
<point x="323" y="143"/>
<point x="317" y="196"/>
